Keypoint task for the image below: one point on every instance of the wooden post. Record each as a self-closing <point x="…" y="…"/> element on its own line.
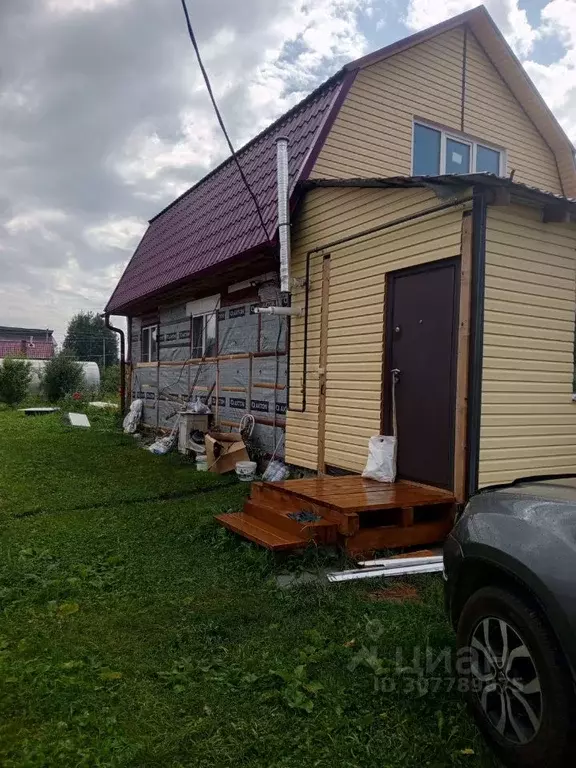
<point x="461" y="425"/>
<point x="321" y="464"/>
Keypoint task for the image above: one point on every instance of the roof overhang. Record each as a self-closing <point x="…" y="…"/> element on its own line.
<point x="559" y="208"/>
<point x="207" y="282"/>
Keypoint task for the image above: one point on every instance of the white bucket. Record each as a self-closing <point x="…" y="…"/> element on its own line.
<point x="246" y="470"/>
<point x="201" y="463"/>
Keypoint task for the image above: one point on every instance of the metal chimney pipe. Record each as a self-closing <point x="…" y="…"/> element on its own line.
<point x="283" y="212"/>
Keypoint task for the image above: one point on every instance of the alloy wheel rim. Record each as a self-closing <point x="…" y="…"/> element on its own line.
<point x="505" y="680"/>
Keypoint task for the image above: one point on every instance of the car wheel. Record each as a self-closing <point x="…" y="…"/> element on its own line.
<point x="515" y="679"/>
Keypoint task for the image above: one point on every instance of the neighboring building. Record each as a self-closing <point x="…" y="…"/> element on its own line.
<point x="413" y="249"/>
<point x="34" y="343"/>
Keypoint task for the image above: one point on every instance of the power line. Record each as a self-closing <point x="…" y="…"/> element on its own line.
<point x="220" y="120"/>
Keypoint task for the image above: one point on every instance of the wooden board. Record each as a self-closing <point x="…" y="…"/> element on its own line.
<point x="393" y="537"/>
<point x="260" y="532"/>
<point x="461" y="420"/>
<point x="322" y="364"/>
<point x="355" y="494"/>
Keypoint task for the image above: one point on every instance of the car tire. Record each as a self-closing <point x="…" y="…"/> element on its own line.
<point x="516" y="681"/>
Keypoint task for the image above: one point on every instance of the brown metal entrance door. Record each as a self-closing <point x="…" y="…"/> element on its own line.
<point x="421" y="340"/>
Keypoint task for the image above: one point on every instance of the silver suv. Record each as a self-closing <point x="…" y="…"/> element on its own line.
<point x="510" y="575"/>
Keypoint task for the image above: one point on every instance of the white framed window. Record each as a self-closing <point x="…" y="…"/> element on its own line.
<point x="204" y="313"/>
<point x="204" y="335"/>
<point x="149" y="344"/>
<point x="437" y="151"/>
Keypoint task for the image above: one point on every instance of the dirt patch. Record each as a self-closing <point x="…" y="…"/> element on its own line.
<point x="397" y="593"/>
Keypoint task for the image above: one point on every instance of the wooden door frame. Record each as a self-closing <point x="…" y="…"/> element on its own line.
<point x="459" y="395"/>
<point x="322" y="362"/>
<point x="461" y="443"/>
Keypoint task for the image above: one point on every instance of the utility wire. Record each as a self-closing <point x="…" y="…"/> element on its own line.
<point x="220" y="120"/>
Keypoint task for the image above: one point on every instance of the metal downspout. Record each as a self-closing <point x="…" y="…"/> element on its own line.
<point x="479" y="209"/>
<point x="302" y="409"/>
<point x="120" y="332"/>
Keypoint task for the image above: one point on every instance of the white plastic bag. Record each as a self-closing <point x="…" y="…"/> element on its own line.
<point x="381" y="464"/>
<point x="197" y="406"/>
<point x="132" y="418"/>
<point x="163" y="445"/>
<point x="275" y="471"/>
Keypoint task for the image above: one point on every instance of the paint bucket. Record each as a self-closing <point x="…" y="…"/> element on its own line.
<point x="246" y="470"/>
<point x="201" y="462"/>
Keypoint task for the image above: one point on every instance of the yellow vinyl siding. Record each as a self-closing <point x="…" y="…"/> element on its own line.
<point x="493" y="114"/>
<point x="356" y="310"/>
<point x="372" y="134"/>
<point x="528" y="421"/>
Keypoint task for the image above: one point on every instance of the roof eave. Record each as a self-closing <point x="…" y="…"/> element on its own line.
<point x="127" y="308"/>
<point x="447" y="180"/>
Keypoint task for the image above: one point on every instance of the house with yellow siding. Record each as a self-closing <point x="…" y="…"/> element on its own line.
<point x="432" y="274"/>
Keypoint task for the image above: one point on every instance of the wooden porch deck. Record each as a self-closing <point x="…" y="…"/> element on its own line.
<point x="360" y="515"/>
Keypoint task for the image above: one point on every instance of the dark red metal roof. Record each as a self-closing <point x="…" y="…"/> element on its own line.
<point x="216" y="219"/>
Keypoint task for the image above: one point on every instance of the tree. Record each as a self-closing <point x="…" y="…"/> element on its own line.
<point x="15" y="375"/>
<point x="62" y="376"/>
<point x="88" y="339"/>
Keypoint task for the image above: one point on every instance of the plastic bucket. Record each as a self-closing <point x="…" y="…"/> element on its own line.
<point x="202" y="463"/>
<point x="246" y="470"/>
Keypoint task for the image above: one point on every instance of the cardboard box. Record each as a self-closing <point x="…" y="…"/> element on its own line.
<point x="223" y="450"/>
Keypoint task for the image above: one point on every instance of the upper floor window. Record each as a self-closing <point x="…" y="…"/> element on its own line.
<point x="436" y="152"/>
<point x="204" y="335"/>
<point x="149" y="344"/>
<point x="204" y="314"/>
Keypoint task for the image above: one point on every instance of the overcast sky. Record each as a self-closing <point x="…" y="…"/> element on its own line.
<point x="104" y="118"/>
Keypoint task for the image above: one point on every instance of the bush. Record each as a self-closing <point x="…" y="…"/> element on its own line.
<point x="62" y="376"/>
<point x="15" y="375"/>
<point x="110" y="380"/>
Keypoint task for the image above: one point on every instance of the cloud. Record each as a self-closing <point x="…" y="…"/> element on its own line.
<point x="507" y="14"/>
<point x="557" y="81"/>
<point x="35" y="220"/>
<point x="73" y="6"/>
<point x="123" y="234"/>
<point x="104" y="119"/>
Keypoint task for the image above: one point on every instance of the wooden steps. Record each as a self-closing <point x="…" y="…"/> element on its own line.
<point x="260" y="532"/>
<point x="362" y="516"/>
<point x="322" y="531"/>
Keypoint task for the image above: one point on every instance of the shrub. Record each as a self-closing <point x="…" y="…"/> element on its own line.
<point x="62" y="376"/>
<point x="110" y="380"/>
<point x="15" y="375"/>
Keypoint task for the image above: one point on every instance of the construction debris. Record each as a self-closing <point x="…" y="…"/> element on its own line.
<point x="223" y="450"/>
<point x="132" y="418"/>
<point x="397" y="561"/>
<point x="78" y="419"/>
<point x="304" y="516"/>
<point x="38" y="411"/>
<point x="390" y="567"/>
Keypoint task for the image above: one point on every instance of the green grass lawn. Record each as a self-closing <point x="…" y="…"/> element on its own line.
<point x="136" y="632"/>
